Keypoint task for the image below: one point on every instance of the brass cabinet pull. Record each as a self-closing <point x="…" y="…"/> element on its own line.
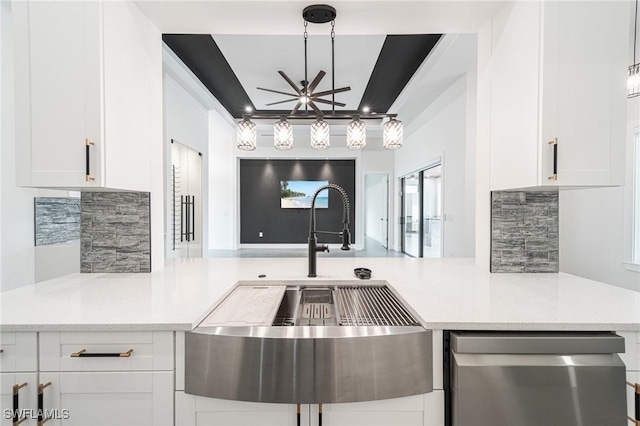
<point x="88" y="144"/>
<point x="16" y="420"/>
<point x="41" y="419"/>
<point x="554" y="176"/>
<point x="83" y="354"/>
<point x="636" y="390"/>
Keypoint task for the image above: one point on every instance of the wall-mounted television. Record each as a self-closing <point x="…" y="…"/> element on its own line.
<point x="298" y="194"/>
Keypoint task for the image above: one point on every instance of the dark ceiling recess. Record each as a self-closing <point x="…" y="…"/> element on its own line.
<point x="202" y="55"/>
<point x="399" y="59"/>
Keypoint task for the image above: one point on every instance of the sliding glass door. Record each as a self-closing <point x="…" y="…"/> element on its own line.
<point x="421" y="223"/>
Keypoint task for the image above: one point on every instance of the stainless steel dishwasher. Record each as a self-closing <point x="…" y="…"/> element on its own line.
<point x="534" y="379"/>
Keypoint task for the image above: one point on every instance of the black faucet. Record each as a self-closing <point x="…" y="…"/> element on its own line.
<point x="314" y="247"/>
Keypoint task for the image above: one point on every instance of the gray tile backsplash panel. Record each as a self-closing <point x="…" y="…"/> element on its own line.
<point x="116" y="232"/>
<point x="524" y="231"/>
<point x="57" y="220"/>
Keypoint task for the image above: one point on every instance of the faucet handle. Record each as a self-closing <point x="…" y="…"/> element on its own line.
<point x="322" y="247"/>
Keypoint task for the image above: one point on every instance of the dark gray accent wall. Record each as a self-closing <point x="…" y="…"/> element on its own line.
<point x="57" y="220"/>
<point x="524" y="231"/>
<point x="115" y="232"/>
<point x="260" y="200"/>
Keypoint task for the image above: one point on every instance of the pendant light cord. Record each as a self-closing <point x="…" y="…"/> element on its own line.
<point x="635" y="31"/>
<point x="306" y="80"/>
<point x="333" y="67"/>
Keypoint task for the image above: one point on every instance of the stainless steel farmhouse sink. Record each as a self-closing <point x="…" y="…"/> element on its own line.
<point x="302" y="342"/>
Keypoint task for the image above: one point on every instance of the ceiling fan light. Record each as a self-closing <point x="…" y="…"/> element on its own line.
<point x="283" y="135"/>
<point x="247" y="135"/>
<point x="356" y="134"/>
<point x="392" y="134"/>
<point x="320" y="134"/>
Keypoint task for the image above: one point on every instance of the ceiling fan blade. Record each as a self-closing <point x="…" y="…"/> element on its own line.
<point x="276" y="91"/>
<point x="328" y="92"/>
<point x="316" y="81"/>
<point x="315" y="108"/>
<point x="322" y="101"/>
<point x="296" y="108"/>
<point x="291" y="83"/>
<point x="281" y="102"/>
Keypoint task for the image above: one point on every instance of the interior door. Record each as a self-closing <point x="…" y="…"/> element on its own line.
<point x="377" y="208"/>
<point x="186" y="207"/>
<point x="431" y="212"/>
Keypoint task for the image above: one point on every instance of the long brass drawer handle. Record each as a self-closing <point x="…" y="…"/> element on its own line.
<point x="41" y="419"/>
<point x="16" y="420"/>
<point x="83" y="353"/>
<point x="636" y="389"/>
<point x="88" y="144"/>
<point x="554" y="176"/>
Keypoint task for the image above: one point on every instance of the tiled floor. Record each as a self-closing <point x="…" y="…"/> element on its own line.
<point x="372" y="249"/>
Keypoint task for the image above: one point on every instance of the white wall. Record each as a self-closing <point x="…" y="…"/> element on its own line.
<point x="223" y="184"/>
<point x="440" y="132"/>
<point x="186" y="121"/>
<point x="596" y="224"/>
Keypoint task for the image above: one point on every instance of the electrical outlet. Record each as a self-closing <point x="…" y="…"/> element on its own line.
<point x="260" y="234"/>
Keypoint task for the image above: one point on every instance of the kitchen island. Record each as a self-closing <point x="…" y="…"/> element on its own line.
<point x="45" y="328"/>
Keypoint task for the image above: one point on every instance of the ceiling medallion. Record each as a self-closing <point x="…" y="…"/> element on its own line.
<point x="305" y="97"/>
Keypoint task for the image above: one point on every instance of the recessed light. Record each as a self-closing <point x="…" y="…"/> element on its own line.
<point x="248" y="109"/>
<point x="366" y="109"/>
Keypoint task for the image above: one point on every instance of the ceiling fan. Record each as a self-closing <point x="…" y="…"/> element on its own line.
<point x="305" y="95"/>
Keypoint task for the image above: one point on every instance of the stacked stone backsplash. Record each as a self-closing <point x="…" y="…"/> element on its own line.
<point x="57" y="220"/>
<point x="115" y="232"/>
<point x="524" y="231"/>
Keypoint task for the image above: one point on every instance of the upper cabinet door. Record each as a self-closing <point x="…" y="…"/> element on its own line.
<point x="559" y="76"/>
<point x="88" y="78"/>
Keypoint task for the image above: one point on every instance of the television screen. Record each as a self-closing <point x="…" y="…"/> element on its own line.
<point x="298" y="194"/>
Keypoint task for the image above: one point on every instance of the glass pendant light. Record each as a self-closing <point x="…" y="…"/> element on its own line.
<point x="392" y="134"/>
<point x="320" y="134"/>
<point x="283" y="135"/>
<point x="356" y="134"/>
<point x="247" y="135"/>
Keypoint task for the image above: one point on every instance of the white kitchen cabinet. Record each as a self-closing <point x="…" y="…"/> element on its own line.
<point x="27" y="401"/>
<point x="200" y="411"/>
<point x="109" y="377"/>
<point x="18" y="351"/>
<point x="558" y="73"/>
<point x="109" y="398"/>
<point x="87" y="76"/>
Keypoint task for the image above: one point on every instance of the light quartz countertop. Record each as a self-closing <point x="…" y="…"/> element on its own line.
<point x="446" y="293"/>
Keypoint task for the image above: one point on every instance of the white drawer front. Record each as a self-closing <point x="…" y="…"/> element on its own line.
<point x="19" y="351"/>
<point x="151" y="350"/>
<point x="109" y="398"/>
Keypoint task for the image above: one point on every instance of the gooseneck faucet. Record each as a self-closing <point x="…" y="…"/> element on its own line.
<point x="314" y="247"/>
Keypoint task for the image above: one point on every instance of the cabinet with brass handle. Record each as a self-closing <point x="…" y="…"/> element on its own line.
<point x="636" y="390"/>
<point x="549" y="96"/>
<point x="105" y="83"/>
